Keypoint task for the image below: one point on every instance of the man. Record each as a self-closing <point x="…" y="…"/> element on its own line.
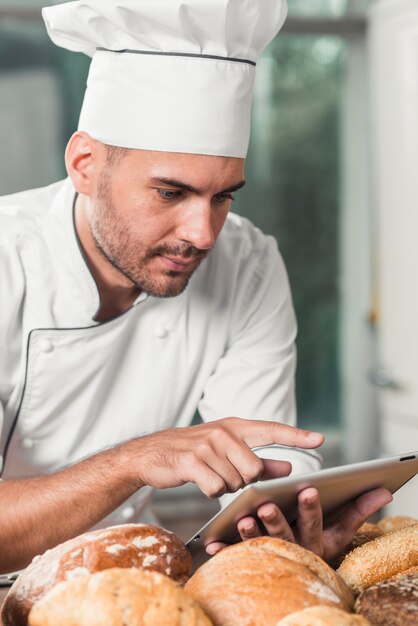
<point x="120" y="315"/>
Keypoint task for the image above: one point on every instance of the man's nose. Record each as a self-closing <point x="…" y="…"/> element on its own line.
<point x="196" y="227"/>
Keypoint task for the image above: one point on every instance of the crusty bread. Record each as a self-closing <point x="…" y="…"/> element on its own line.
<point x="391" y="602"/>
<point x="261" y="580"/>
<point x="128" y="545"/>
<point x="380" y="559"/>
<point x="118" y="597"/>
<point x="396" y="522"/>
<point x="409" y="570"/>
<point x="323" y="616"/>
<point x="367" y="532"/>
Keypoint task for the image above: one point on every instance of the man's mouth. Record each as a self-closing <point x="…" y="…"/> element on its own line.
<point x="178" y="264"/>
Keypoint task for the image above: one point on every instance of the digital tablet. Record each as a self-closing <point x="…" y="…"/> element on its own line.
<point x="337" y="486"/>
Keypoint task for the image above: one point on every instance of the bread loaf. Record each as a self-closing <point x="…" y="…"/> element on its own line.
<point x="323" y="616"/>
<point x="396" y="522"/>
<point x="367" y="532"/>
<point x="381" y="559"/>
<point x="261" y="580"/>
<point x="391" y="602"/>
<point x="128" y="545"/>
<point x="118" y="597"/>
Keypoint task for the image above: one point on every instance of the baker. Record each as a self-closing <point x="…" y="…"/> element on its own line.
<point x="130" y="295"/>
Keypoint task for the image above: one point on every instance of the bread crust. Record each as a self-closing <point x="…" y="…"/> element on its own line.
<point x="323" y="616"/>
<point x="367" y="532"/>
<point x="127" y="545"/>
<point x="395" y="522"/>
<point x="392" y="602"/>
<point x="381" y="559"/>
<point x="118" y="597"/>
<point x="261" y="580"/>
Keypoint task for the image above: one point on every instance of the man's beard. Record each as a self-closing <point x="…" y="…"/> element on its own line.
<point x="114" y="240"/>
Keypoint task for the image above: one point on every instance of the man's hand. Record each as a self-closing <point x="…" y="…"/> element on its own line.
<point x="217" y="456"/>
<point x="40" y="512"/>
<point x="329" y="541"/>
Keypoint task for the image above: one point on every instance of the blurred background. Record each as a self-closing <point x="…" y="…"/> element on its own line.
<point x="332" y="173"/>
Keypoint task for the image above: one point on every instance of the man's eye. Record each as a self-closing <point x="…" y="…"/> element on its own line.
<point x="168" y="194"/>
<point x="223" y="197"/>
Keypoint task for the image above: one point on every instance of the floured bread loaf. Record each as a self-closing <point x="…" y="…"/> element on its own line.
<point x="381" y="559"/>
<point x="391" y="602"/>
<point x="396" y="522"/>
<point x="118" y="597"/>
<point x="323" y="616"/>
<point x="261" y="580"/>
<point x="128" y="545"/>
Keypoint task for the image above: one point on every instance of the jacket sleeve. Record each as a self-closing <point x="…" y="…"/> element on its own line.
<point x="255" y="377"/>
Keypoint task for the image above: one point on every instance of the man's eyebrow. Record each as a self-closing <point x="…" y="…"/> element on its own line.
<point x="172" y="182"/>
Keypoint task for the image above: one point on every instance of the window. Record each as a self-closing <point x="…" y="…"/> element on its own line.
<point x="292" y="193"/>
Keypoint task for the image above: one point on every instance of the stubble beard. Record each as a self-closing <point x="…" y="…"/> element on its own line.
<point x="114" y="241"/>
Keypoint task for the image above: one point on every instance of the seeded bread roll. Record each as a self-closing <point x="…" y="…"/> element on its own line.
<point x="391" y="602"/>
<point x="380" y="559"/>
<point x="128" y="545"/>
<point x="387" y="524"/>
<point x="118" y="597"/>
<point x="323" y="616"/>
<point x="367" y="532"/>
<point x="261" y="580"/>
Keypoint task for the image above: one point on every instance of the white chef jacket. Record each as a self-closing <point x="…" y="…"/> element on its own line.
<point x="71" y="386"/>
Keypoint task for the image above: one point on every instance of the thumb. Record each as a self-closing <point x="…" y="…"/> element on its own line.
<point x="275" y="469"/>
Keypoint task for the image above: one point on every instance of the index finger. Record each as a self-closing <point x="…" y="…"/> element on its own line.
<point x="263" y="433"/>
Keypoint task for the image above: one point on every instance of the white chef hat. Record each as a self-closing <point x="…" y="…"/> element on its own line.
<point x="170" y="75"/>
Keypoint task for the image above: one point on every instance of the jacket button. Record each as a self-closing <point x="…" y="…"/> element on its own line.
<point x="161" y="332"/>
<point x="128" y="512"/>
<point x="28" y="443"/>
<point x="46" y="345"/>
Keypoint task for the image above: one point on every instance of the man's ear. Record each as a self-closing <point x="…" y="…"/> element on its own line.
<point x="84" y="161"/>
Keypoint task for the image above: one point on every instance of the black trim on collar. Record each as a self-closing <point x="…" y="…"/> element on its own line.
<point x="177" y="54"/>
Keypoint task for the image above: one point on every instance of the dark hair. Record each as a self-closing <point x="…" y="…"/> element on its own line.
<point x="114" y="154"/>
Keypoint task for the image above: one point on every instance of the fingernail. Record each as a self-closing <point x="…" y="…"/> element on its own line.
<point x="269" y="517"/>
<point x="316" y="437"/>
<point x="249" y="528"/>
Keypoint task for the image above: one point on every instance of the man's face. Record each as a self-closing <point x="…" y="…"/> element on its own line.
<point x="156" y="215"/>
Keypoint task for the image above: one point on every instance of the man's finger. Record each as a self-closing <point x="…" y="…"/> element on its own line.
<point x="225" y="469"/>
<point x="275" y="469"/>
<point x="340" y="533"/>
<point x="361" y="509"/>
<point x="248" y="464"/>
<point x="275" y="522"/>
<point x="263" y="433"/>
<point x="208" y="481"/>
<point x="309" y="523"/>
<point x="216" y="546"/>
<point x="248" y="528"/>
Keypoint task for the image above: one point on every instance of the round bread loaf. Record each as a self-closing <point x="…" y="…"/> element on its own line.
<point x="367" y="532"/>
<point x="380" y="559"/>
<point x="387" y="524"/>
<point x="323" y="616"/>
<point x="118" y="597"/>
<point x="391" y="602"/>
<point x="261" y="580"/>
<point x="128" y="545"/>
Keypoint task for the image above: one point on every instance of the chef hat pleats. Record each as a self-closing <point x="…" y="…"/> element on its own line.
<point x="168" y="75"/>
